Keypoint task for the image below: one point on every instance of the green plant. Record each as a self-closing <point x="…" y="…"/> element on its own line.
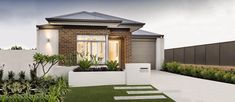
<point x="21" y="76"/>
<point x="201" y="72"/>
<point x="112" y="65"/>
<point x="16" y="87"/>
<point x="233" y="79"/>
<point x="227" y="77"/>
<point x="11" y="76"/>
<point x="44" y="60"/>
<point x="85" y="64"/>
<point x="16" y="48"/>
<point x="95" y="60"/>
<point x="1" y="72"/>
<point x="173" y="66"/>
<point x="70" y="59"/>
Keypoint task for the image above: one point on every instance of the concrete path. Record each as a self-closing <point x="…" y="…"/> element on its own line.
<point x="188" y="89"/>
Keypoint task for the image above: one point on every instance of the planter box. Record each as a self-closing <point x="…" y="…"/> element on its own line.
<point x="80" y="79"/>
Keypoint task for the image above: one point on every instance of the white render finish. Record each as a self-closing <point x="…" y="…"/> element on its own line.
<point x="138" y="73"/>
<point x="132" y="75"/>
<point x="82" y="79"/>
<point x="48" y="41"/>
<point x="16" y="60"/>
<point x="139" y="97"/>
<point x="19" y="60"/>
<point x="159" y="53"/>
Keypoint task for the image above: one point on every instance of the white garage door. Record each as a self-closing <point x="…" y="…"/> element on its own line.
<point x="144" y="51"/>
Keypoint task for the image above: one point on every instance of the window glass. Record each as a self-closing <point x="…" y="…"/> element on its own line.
<point x="94" y="45"/>
<point x="91" y="37"/>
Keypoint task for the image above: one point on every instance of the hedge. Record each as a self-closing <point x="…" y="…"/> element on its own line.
<point x="200" y="72"/>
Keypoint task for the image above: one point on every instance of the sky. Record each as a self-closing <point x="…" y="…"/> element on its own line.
<point x="183" y="22"/>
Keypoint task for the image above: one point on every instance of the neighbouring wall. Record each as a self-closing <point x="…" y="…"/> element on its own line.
<point x="19" y="60"/>
<point x="16" y="60"/>
<point x="208" y="54"/>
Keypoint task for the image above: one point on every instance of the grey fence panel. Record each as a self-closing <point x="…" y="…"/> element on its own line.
<point x="212" y="54"/>
<point x="227" y="53"/>
<point x="209" y="54"/>
<point x="169" y="55"/>
<point x="179" y="55"/>
<point x="200" y="52"/>
<point x="189" y="55"/>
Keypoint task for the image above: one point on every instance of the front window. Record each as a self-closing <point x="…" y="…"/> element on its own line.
<point x="94" y="45"/>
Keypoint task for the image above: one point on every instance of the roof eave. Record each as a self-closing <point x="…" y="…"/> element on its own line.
<point x="147" y="36"/>
<point x="81" y="20"/>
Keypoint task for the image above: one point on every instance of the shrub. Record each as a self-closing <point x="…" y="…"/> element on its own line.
<point x="16" y="48"/>
<point x="112" y="65"/>
<point x="227" y="77"/>
<point x="70" y="59"/>
<point x="233" y="79"/>
<point x="85" y="64"/>
<point x="1" y="72"/>
<point x="201" y="72"/>
<point x="11" y="76"/>
<point x="172" y="67"/>
<point x="219" y="75"/>
<point x="21" y="76"/>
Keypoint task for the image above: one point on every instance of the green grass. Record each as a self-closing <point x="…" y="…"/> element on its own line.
<point x="102" y="94"/>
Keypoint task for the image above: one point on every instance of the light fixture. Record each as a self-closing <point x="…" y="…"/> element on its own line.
<point x="48" y="40"/>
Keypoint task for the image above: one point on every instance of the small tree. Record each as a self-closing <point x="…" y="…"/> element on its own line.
<point x="46" y="62"/>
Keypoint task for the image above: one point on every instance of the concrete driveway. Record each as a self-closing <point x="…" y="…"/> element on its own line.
<point x="188" y="89"/>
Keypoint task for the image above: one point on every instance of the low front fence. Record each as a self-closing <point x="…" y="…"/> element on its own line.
<point x="134" y="74"/>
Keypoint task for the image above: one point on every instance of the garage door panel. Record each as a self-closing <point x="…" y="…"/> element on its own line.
<point x="144" y="51"/>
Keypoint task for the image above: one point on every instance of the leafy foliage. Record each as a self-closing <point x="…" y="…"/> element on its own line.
<point x="1" y="72"/>
<point x="112" y="65"/>
<point x="46" y="62"/>
<point x="16" y="48"/>
<point x="70" y="59"/>
<point x="85" y="64"/>
<point x="21" y="76"/>
<point x="200" y="72"/>
<point x="11" y="76"/>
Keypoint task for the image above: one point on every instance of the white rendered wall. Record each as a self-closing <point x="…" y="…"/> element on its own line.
<point x="138" y="73"/>
<point x="16" y="60"/>
<point x="159" y="53"/>
<point x="48" y="41"/>
<point x="81" y="79"/>
<point x="19" y="60"/>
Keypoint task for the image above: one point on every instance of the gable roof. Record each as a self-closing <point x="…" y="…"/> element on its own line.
<point x="145" y="33"/>
<point x="94" y="17"/>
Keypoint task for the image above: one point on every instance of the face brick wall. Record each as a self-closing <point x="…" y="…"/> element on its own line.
<point x="125" y="36"/>
<point x="68" y="39"/>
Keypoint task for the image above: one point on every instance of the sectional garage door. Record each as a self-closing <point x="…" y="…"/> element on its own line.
<point x="144" y="51"/>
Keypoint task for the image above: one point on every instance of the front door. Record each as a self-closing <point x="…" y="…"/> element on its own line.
<point x="114" y="50"/>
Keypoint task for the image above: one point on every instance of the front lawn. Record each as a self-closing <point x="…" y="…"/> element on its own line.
<point x="104" y="94"/>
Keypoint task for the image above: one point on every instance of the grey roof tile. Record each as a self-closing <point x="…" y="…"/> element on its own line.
<point x="145" y="33"/>
<point x="84" y="15"/>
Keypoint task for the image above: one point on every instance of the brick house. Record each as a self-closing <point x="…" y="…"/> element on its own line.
<point x="108" y="37"/>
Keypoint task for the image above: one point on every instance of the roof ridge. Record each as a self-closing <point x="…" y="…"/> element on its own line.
<point x="113" y="16"/>
<point x="71" y="14"/>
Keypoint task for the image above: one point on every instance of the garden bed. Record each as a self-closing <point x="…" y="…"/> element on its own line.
<point x="204" y="72"/>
